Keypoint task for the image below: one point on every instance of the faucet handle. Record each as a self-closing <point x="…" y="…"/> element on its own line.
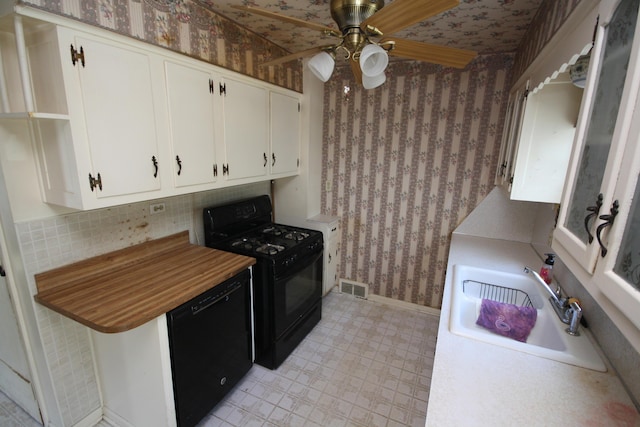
<point x="576" y="316"/>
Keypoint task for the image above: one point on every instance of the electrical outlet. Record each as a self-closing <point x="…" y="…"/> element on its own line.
<point x="156" y="208"/>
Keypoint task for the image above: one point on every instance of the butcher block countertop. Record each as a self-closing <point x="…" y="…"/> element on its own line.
<point x="121" y="290"/>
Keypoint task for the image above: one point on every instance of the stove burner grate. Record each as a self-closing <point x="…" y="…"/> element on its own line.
<point x="269" y="249"/>
<point x="296" y="235"/>
<point x="244" y="243"/>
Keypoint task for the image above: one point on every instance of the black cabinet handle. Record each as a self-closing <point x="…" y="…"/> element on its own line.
<point x="179" y="164"/>
<point x="608" y="221"/>
<point x="265" y="159"/>
<point x="273" y="157"/>
<point x="155" y="165"/>
<point x="2" y="272"/>
<point x="594" y="211"/>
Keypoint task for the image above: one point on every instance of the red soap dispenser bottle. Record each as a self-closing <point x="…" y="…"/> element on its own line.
<point x="546" y="271"/>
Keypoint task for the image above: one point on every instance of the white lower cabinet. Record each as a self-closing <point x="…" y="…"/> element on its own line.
<point x="134" y="368"/>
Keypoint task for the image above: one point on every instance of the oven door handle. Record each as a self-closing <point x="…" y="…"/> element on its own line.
<point x="224" y="296"/>
<point x="300" y="265"/>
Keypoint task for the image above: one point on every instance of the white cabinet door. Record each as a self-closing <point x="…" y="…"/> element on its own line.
<point x="610" y="94"/>
<point x="545" y="143"/>
<point x="190" y="93"/>
<point x="513" y="122"/>
<point x="246" y="138"/>
<point x="617" y="271"/>
<point x="118" y="108"/>
<point x="285" y="134"/>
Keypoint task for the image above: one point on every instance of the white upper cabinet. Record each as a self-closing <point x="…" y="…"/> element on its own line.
<point x="546" y="138"/>
<point x="598" y="231"/>
<point x="617" y="272"/>
<point x="542" y="113"/>
<point x="107" y="146"/>
<point x="191" y="97"/>
<point x="246" y="129"/>
<point x="111" y="86"/>
<point x="285" y="134"/>
<point x="114" y="120"/>
<point x="601" y="136"/>
<point x="510" y="135"/>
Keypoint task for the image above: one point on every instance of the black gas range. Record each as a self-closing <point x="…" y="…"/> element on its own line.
<point x="287" y="277"/>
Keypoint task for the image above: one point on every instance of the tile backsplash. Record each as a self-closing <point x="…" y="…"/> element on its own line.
<point x="59" y="240"/>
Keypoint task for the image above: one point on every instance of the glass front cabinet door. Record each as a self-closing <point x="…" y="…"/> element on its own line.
<point x="617" y="272"/>
<point x="598" y="230"/>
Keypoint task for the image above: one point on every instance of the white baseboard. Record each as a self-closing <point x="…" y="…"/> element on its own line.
<point x="398" y="303"/>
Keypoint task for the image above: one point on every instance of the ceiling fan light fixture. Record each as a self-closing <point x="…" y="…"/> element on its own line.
<point x="372" y="82"/>
<point x="321" y="65"/>
<point x="373" y="60"/>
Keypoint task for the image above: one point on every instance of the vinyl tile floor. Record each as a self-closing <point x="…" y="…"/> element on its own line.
<point x="366" y="364"/>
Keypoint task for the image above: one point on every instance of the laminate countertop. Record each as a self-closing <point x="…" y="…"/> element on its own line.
<point x="121" y="290"/>
<point x="479" y="384"/>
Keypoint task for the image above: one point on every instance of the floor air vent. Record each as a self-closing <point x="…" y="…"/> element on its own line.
<point x="360" y="290"/>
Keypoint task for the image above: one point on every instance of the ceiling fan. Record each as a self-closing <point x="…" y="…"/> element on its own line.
<point x="364" y="28"/>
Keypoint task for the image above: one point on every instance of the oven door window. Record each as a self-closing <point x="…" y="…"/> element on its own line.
<point x="297" y="291"/>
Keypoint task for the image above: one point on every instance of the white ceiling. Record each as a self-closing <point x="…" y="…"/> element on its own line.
<point x="484" y="26"/>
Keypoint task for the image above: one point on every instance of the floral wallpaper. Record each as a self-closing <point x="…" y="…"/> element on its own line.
<point x="184" y="26"/>
<point x="411" y="159"/>
<point x="486" y="26"/>
<point x="408" y="162"/>
<point x="548" y="19"/>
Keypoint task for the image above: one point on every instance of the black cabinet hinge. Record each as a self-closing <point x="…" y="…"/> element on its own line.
<point x="225" y="169"/>
<point x="298" y="107"/>
<point x="211" y="87"/>
<point x="215" y="170"/>
<point x="223" y="89"/>
<point x="95" y="182"/>
<point x="77" y="56"/>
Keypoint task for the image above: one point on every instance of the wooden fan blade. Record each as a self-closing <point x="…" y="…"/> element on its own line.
<point x="296" y="55"/>
<point x="402" y="13"/>
<point x="357" y="72"/>
<point x="290" y="20"/>
<point x="443" y="55"/>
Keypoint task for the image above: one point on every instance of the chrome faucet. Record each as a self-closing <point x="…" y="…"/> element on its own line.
<point x="567" y="309"/>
